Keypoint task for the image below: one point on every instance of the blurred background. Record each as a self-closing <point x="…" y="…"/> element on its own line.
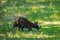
<point x="46" y="12"/>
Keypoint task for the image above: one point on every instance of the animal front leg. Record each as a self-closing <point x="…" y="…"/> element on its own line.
<point x="22" y="26"/>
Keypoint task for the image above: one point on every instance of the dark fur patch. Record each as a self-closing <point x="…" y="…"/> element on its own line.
<point x="25" y="23"/>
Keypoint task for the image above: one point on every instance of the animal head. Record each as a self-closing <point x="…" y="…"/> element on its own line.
<point x="36" y="25"/>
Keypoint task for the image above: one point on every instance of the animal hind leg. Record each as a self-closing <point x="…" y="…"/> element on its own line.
<point x="22" y="26"/>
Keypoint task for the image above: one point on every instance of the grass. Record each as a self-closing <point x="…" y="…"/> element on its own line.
<point x="44" y="12"/>
<point x="47" y="32"/>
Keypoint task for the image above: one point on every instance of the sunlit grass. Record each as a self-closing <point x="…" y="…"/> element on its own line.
<point x="44" y="11"/>
<point x="24" y="35"/>
<point x="47" y="31"/>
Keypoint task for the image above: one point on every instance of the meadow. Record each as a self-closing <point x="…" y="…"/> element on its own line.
<point x="47" y="13"/>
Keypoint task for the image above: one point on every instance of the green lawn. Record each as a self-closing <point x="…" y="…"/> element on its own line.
<point x="47" y="32"/>
<point x="40" y="10"/>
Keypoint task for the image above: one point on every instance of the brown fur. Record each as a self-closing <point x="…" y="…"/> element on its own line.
<point x="24" y="23"/>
